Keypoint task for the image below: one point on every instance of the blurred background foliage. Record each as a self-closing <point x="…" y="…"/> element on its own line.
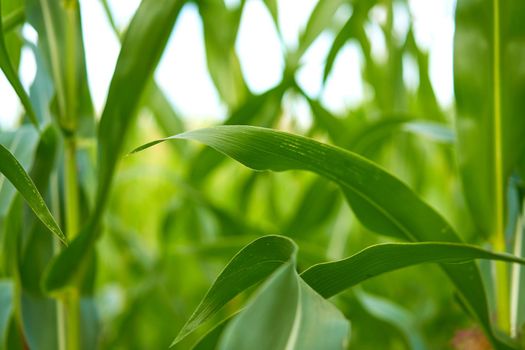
<point x="178" y="214"/>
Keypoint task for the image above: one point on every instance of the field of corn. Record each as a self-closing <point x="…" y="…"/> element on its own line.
<point x="283" y="221"/>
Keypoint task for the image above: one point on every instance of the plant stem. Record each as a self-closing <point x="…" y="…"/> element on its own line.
<point x="72" y="299"/>
<point x="515" y="278"/>
<point x="60" y="309"/>
<point x="501" y="271"/>
<point x="502" y="289"/>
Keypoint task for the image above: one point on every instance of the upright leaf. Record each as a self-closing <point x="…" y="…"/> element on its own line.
<point x="320" y="19"/>
<point x="58" y="24"/>
<point x="490" y="95"/>
<point x="490" y="92"/>
<point x="142" y="46"/>
<point x="220" y="26"/>
<point x="12" y="76"/>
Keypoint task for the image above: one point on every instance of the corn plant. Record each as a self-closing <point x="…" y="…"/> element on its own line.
<point x="395" y="224"/>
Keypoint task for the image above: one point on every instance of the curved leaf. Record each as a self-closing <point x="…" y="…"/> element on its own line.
<point x="400" y="213"/>
<point x="252" y="264"/>
<point x="22" y="143"/>
<point x="331" y="278"/>
<point x="16" y="174"/>
<point x="286" y="314"/>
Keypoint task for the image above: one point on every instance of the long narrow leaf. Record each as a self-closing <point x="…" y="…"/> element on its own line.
<point x="142" y="47"/>
<point x="490" y="96"/>
<point x="14" y="172"/>
<point x="12" y="77"/>
<point x="252" y="264"/>
<point x="381" y="202"/>
<point x="331" y="278"/>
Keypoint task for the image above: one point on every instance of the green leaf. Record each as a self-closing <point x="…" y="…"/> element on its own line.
<point x="13" y="19"/>
<point x="273" y="8"/>
<point x="211" y="339"/>
<point x="263" y="109"/>
<point x="11" y="75"/>
<point x="142" y="46"/>
<point x="58" y="24"/>
<point x="432" y="130"/>
<point x="291" y="312"/>
<point x="36" y="311"/>
<point x="332" y="278"/>
<point x="352" y="28"/>
<point x="7" y="302"/>
<point x="220" y="27"/>
<point x="400" y="213"/>
<point x="22" y="144"/>
<point x="252" y="264"/>
<point x="321" y="17"/>
<point x="490" y="95"/>
<point x="15" y="173"/>
<point x="399" y="317"/>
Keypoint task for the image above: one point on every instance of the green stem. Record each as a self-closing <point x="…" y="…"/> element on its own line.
<point x="60" y="309"/>
<point x="501" y="270"/>
<point x="71" y="300"/>
<point x="502" y="290"/>
<point x="516" y="288"/>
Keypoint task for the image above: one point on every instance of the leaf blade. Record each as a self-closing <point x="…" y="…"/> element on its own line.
<point x="364" y="185"/>
<point x="331" y="278"/>
<point x="253" y="263"/>
<point x="15" y="173"/>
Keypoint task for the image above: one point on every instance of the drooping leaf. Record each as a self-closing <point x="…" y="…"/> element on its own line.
<point x="262" y="110"/>
<point x="252" y="264"/>
<point x="286" y="314"/>
<point x="21" y="143"/>
<point x="400" y="214"/>
<point x="15" y="173"/>
<point x="331" y="278"/>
